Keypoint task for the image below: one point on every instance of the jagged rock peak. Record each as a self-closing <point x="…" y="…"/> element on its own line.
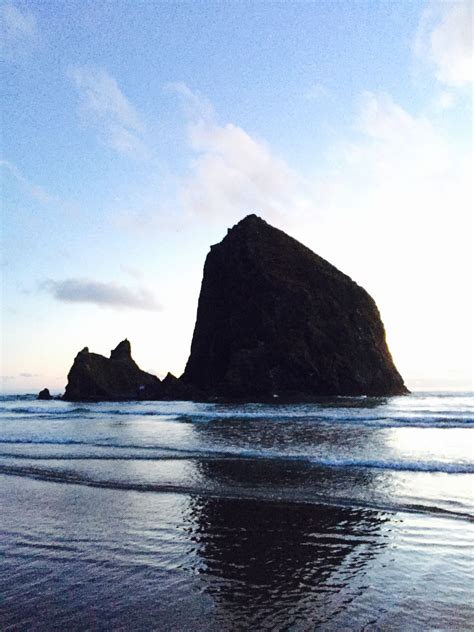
<point x="123" y="351"/>
<point x="246" y="227"/>
<point x="250" y="221"/>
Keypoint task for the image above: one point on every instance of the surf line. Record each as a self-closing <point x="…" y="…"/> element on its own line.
<point x="70" y="478"/>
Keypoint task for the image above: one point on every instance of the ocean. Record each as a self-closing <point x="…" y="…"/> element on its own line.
<point x="345" y="514"/>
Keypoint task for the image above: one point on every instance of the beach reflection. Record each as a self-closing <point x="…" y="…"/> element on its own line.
<point x="268" y="564"/>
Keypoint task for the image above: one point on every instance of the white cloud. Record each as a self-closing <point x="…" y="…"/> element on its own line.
<point x="18" y="32"/>
<point x="101" y="294"/>
<point x="401" y="173"/>
<point x="399" y="143"/>
<point x="106" y="107"/>
<point x="445" y="38"/>
<point x="446" y="101"/>
<point x="232" y="172"/>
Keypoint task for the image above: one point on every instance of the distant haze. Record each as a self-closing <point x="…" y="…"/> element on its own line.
<point x="135" y="134"/>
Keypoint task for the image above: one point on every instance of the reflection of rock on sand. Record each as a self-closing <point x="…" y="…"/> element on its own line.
<point x="279" y="562"/>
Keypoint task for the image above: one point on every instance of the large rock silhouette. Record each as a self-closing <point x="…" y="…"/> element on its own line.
<point x="276" y="319"/>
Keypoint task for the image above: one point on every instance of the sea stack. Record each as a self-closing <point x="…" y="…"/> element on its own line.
<point x="45" y="394"/>
<point x="275" y="319"/>
<point x="94" y="377"/>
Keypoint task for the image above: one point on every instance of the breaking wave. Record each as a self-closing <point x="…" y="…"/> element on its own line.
<point x="242" y="493"/>
<point x="170" y="452"/>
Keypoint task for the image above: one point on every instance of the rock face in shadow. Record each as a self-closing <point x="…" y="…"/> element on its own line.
<point x="276" y="319"/>
<point x="94" y="377"/>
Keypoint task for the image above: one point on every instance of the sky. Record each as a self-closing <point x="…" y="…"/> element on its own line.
<point x="134" y="133"/>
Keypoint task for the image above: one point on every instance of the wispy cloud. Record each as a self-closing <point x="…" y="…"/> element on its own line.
<point x="34" y="191"/>
<point x="195" y="104"/>
<point x="132" y="271"/>
<point x="232" y="172"/>
<point x="80" y="290"/>
<point x="400" y="170"/>
<point x="107" y="109"/>
<point x="29" y="375"/>
<point x="317" y="92"/>
<point x="445" y="101"/>
<point x="445" y="38"/>
<point x="18" y="32"/>
<point x="37" y="192"/>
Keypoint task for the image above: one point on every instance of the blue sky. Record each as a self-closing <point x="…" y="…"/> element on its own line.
<point x="135" y="133"/>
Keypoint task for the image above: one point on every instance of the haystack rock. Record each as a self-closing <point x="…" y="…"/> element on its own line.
<point x="94" y="377"/>
<point x="275" y="319"/>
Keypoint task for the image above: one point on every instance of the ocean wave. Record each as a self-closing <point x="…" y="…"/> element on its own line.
<point x="62" y="413"/>
<point x="410" y="419"/>
<point x="40" y="410"/>
<point x="61" y="409"/>
<point x="270" y="495"/>
<point x="49" y="442"/>
<point x="434" y="421"/>
<point x="265" y="455"/>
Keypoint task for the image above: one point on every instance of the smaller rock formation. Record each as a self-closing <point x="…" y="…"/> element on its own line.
<point x="45" y="394"/>
<point x="173" y="388"/>
<point x="94" y="377"/>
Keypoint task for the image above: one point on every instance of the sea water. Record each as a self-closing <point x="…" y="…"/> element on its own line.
<point x="345" y="514"/>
